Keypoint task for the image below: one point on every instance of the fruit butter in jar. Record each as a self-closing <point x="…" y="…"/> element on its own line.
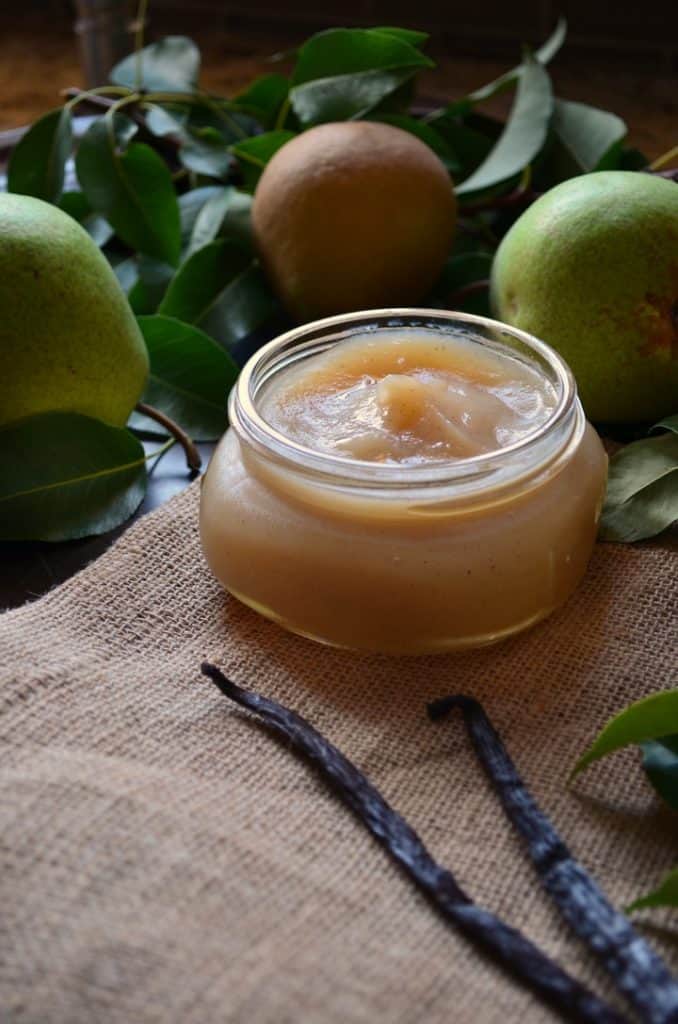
<point x="404" y="481"/>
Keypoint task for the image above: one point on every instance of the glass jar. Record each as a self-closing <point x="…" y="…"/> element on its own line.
<point x="398" y="558"/>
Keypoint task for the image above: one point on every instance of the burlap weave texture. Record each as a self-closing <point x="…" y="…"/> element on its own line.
<point x="163" y="859"/>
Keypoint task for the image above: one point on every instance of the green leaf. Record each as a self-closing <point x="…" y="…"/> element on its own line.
<point x="460" y="271"/>
<point x="237" y="225"/>
<point x="36" y="166"/>
<point x="348" y="51"/>
<point x="652" y="718"/>
<point x="660" y="761"/>
<point x="264" y="98"/>
<point x="171" y="65"/>
<point x="133" y="190"/>
<point x="148" y="290"/>
<point x="221" y="290"/>
<point x="209" y="220"/>
<point x="210" y="155"/>
<point x="665" y="895"/>
<point x="76" y="206"/>
<point x="524" y="135"/>
<point x="165" y="120"/>
<point x="237" y="221"/>
<point x="631" y="159"/>
<point x="126" y="271"/>
<point x="63" y="475"/>
<point x="426" y="132"/>
<point x="201" y="280"/>
<point x="346" y="97"/>
<point x="668" y="423"/>
<point x="344" y="73"/>
<point x="190" y="376"/>
<point x="544" y="55"/>
<point x="469" y="145"/>
<point x="591" y="138"/>
<point x="408" y="35"/>
<point x="217" y="119"/>
<point x="642" y="490"/>
<point x="190" y="205"/>
<point x="254" y="153"/>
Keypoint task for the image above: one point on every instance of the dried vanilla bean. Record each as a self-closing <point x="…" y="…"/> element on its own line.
<point x="637" y="970"/>
<point x="520" y="957"/>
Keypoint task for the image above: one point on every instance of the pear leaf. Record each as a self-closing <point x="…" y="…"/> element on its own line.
<point x="63" y="475"/>
<point x="346" y="97"/>
<point x="352" y="51"/>
<point x="642" y="489"/>
<point x="76" y="206"/>
<point x="221" y="290"/>
<point x="164" y="120"/>
<point x="254" y="153"/>
<point x="125" y="269"/>
<point x="660" y="761"/>
<point x="207" y="154"/>
<point x="544" y="55"/>
<point x="170" y="65"/>
<point x="36" y="166"/>
<point x="524" y="135"/>
<point x="151" y="283"/>
<point x="665" y="895"/>
<point x="408" y="35"/>
<point x="344" y="73"/>
<point x="190" y="376"/>
<point x="264" y="99"/>
<point x="209" y="220"/>
<point x="668" y="423"/>
<point x="590" y="137"/>
<point x="236" y="224"/>
<point x="190" y="205"/>
<point x="132" y="189"/>
<point x="463" y="283"/>
<point x="652" y="718"/>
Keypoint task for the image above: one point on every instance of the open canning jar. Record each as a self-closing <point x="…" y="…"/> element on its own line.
<point x="402" y="558"/>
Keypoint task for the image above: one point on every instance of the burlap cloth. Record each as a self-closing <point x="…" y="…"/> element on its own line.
<point x="164" y="859"/>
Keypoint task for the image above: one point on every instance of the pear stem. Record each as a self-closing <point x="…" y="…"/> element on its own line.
<point x="193" y="459"/>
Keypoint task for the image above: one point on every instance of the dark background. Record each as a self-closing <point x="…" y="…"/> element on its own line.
<point x="622" y="56"/>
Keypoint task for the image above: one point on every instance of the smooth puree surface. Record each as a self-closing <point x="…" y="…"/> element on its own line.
<point x="408" y="397"/>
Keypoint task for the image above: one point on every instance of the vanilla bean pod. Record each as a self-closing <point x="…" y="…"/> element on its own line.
<point x="636" y="969"/>
<point x="513" y="950"/>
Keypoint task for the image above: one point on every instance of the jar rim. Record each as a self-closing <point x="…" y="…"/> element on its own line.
<point x="246" y="419"/>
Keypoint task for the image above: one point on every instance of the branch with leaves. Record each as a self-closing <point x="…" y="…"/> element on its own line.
<point x="163" y="176"/>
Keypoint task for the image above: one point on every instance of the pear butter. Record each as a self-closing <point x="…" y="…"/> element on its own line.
<point x="404" y="489"/>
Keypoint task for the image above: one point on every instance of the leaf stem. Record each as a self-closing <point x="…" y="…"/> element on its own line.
<point x="664" y="159"/>
<point x="193" y="459"/>
<point x="140" y="26"/>
<point x="282" y="114"/>
<point x="97" y="97"/>
<point x="159" y="452"/>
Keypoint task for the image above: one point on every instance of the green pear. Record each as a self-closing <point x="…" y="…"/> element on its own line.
<point x="68" y="338"/>
<point x="591" y="268"/>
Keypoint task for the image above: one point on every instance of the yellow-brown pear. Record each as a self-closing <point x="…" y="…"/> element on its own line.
<point x="353" y="215"/>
